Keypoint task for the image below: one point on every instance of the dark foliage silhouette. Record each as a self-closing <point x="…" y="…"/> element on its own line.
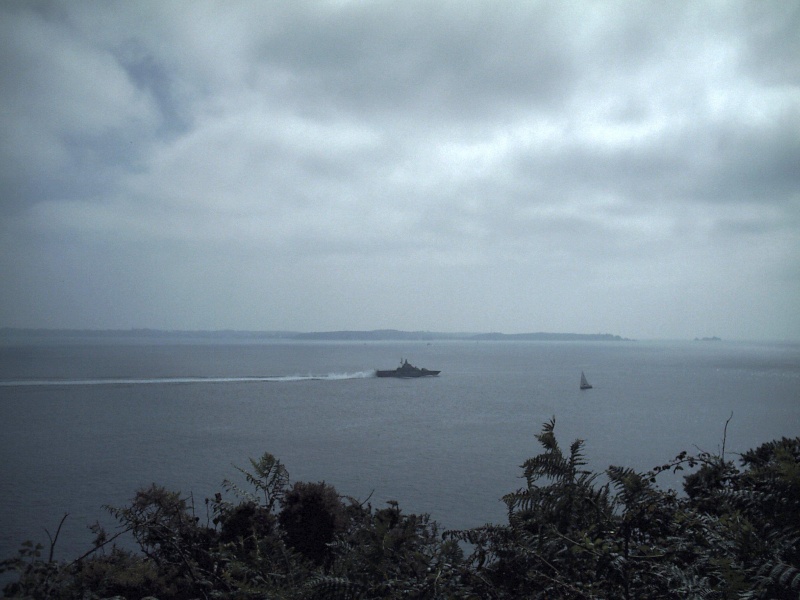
<point x="570" y="534"/>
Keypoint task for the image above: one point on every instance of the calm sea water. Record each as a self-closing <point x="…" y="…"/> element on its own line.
<point x="86" y="424"/>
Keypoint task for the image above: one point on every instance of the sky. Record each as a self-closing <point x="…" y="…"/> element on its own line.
<point x="624" y="167"/>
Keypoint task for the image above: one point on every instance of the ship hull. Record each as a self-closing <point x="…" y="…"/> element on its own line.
<point x="407" y="375"/>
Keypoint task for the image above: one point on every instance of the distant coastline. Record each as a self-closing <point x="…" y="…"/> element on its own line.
<point x="372" y="335"/>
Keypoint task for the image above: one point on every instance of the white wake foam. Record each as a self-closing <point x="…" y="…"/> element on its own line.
<point x="184" y="380"/>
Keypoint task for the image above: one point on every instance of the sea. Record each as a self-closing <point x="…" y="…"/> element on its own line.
<point x="84" y="423"/>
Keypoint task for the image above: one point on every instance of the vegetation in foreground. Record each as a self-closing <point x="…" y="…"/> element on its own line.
<point x="735" y="534"/>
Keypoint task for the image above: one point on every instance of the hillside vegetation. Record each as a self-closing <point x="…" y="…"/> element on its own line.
<point x="570" y="534"/>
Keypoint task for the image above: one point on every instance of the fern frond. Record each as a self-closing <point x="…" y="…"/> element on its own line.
<point x="332" y="588"/>
<point x="550" y="465"/>
<point x="269" y="477"/>
<point x="522" y="499"/>
<point x="476" y="536"/>
<point x="341" y="547"/>
<point x="630" y="484"/>
<point x="781" y="574"/>
<point x="547" y="438"/>
<point x="239" y="492"/>
<point x="576" y="456"/>
<point x="761" y="456"/>
<point x="618" y="475"/>
<point x="744" y="498"/>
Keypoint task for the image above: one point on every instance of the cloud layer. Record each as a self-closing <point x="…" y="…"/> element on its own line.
<point x="630" y="167"/>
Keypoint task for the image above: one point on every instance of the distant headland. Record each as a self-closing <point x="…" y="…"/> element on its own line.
<point x="372" y="335"/>
<point x="393" y="334"/>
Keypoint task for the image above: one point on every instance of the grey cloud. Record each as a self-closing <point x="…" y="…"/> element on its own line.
<point x="372" y="61"/>
<point x="295" y="150"/>
<point x="772" y="42"/>
<point x="70" y="113"/>
<point x="154" y="79"/>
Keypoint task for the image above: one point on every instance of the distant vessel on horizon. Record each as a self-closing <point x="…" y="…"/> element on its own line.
<point x="585" y="385"/>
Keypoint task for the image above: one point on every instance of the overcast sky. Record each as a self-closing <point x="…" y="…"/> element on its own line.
<point x="621" y="167"/>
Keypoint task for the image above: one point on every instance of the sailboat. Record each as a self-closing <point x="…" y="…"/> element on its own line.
<point x="585" y="385"/>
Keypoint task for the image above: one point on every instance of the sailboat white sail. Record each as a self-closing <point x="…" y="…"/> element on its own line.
<point x="585" y="385"/>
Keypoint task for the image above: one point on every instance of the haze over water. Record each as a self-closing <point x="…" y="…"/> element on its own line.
<point x="86" y="424"/>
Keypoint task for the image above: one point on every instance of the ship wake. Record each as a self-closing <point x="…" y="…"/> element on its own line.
<point x="185" y="380"/>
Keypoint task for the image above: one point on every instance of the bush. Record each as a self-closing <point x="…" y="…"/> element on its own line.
<point x="312" y="515"/>
<point x="735" y="535"/>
